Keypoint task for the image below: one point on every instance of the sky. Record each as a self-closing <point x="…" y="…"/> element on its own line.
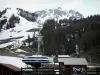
<point x="85" y="7"/>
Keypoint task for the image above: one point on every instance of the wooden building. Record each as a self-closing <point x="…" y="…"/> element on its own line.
<point x="74" y="66"/>
<point x="8" y="69"/>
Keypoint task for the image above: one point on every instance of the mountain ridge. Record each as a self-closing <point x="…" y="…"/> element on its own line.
<point x="58" y="14"/>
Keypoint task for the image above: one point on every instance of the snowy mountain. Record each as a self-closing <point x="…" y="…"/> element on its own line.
<point x="17" y="24"/>
<point x="57" y="14"/>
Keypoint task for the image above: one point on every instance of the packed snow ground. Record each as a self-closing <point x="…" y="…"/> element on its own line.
<point x="20" y="50"/>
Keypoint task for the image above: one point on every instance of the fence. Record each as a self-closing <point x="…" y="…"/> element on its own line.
<point x="54" y="71"/>
<point x="93" y="71"/>
<point x="41" y="71"/>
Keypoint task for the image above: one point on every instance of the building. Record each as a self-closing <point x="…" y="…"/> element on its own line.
<point x="11" y="65"/>
<point x="74" y="66"/>
<point x="8" y="69"/>
<point x="63" y="56"/>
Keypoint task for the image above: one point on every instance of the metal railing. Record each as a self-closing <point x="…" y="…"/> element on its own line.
<point x="55" y="71"/>
<point x="41" y="71"/>
<point x="93" y="71"/>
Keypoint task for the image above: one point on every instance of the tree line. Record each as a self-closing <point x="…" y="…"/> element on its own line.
<point x="63" y="36"/>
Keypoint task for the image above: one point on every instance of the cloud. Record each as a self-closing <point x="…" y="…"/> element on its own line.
<point x="73" y="4"/>
<point x="40" y="3"/>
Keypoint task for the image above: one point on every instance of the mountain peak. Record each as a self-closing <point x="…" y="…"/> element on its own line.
<point x="71" y="11"/>
<point x="59" y="8"/>
<point x="57" y="14"/>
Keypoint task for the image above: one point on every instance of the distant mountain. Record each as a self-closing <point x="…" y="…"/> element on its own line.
<point x="57" y="14"/>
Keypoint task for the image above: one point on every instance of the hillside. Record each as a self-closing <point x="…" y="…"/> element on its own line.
<point x="14" y="26"/>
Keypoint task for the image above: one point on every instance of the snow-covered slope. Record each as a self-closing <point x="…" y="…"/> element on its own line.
<point x="19" y="31"/>
<point x="57" y="14"/>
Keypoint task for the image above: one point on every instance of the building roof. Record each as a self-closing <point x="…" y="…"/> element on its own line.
<point x="15" y="61"/>
<point x="14" y="68"/>
<point x="63" y="56"/>
<point x="73" y="61"/>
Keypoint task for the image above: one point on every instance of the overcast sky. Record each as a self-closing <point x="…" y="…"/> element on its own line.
<point x="85" y="7"/>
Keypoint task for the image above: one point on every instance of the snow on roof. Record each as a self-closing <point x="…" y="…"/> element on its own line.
<point x="93" y="66"/>
<point x="15" y="61"/>
<point x="73" y="61"/>
<point x="37" y="56"/>
<point x="63" y="56"/>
